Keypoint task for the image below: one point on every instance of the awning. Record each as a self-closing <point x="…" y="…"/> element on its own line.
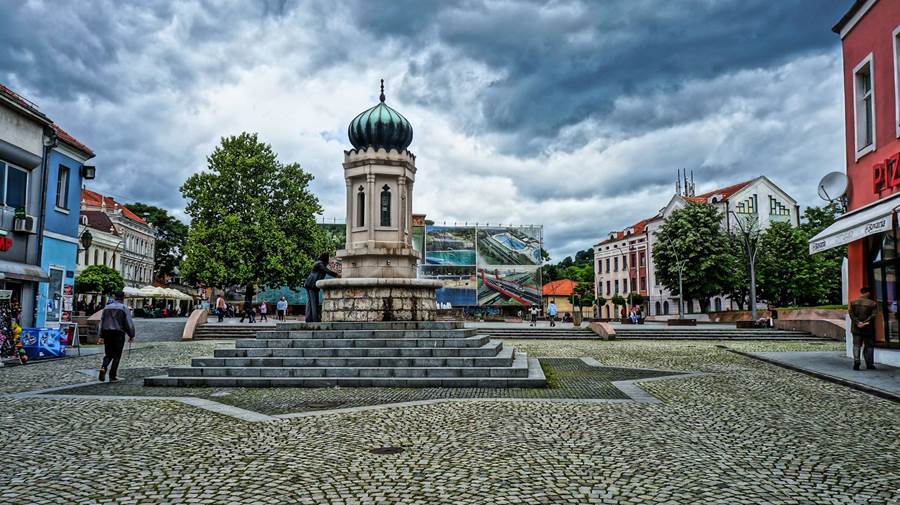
<point x="22" y="272"/>
<point x="852" y="226"/>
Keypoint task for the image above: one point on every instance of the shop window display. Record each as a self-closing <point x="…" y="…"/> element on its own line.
<point x="882" y="274"/>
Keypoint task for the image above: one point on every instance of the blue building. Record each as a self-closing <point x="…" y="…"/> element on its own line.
<point x="60" y="240"/>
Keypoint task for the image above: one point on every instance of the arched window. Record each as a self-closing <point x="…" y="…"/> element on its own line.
<point x="96" y="257"/>
<point x="657" y="308"/>
<point x="361" y="207"/>
<point x="666" y="308"/>
<point x="104" y="259"/>
<point x="385" y="206"/>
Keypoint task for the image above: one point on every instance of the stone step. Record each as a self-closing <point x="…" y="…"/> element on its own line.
<point x="346" y="334"/>
<point x="383" y="325"/>
<point x="255" y="343"/>
<point x="666" y="336"/>
<point x="503" y="358"/>
<point x="489" y="349"/>
<point x="533" y="377"/>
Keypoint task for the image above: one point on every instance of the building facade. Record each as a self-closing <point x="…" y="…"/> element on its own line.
<point x="59" y="251"/>
<point x="134" y="254"/>
<point x="623" y="263"/>
<point x="870" y="40"/>
<point x="41" y="169"/>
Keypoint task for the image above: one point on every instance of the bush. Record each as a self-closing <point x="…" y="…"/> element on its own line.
<point x="99" y="279"/>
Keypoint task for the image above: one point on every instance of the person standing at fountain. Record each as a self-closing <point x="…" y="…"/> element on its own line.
<point x="319" y="271"/>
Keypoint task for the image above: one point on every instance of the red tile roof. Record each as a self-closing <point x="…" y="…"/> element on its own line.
<point x="72" y="141"/>
<point x="726" y="192"/>
<point x="22" y="102"/>
<point x="562" y="287"/>
<point x="98" y="220"/>
<point x="94" y="199"/>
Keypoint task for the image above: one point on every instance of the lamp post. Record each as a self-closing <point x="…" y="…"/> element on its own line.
<point x="680" y="264"/>
<point x="750" y="241"/>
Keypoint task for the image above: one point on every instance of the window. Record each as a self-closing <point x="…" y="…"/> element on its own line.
<point x="608" y="290"/>
<point x="104" y="259"/>
<point x="632" y="259"/>
<point x="607" y="265"/>
<point x="385" y="206"/>
<point x="616" y="264"/>
<point x="361" y="207"/>
<point x="13" y="186"/>
<point x="62" y="188"/>
<point x="864" y="107"/>
<point x="642" y="256"/>
<point x="643" y="283"/>
<point x="624" y="264"/>
<point x="617" y="286"/>
<point x="599" y="267"/>
<point x="96" y="257"/>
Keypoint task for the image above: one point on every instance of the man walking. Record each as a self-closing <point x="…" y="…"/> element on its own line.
<point x="862" y="326"/>
<point x="534" y="314"/>
<point x="551" y="312"/>
<point x="281" y="307"/>
<point x="220" y="308"/>
<point x="115" y="323"/>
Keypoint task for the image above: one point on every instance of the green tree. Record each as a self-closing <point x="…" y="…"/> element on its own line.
<point x="99" y="279"/>
<point x="252" y="219"/>
<point x="786" y="273"/>
<point x="171" y="235"/>
<point x="693" y="235"/>
<point x="600" y="301"/>
<point x="828" y="263"/>
<point x="635" y="298"/>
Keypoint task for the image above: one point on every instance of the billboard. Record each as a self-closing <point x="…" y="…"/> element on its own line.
<point x="509" y="285"/>
<point x="449" y="245"/>
<point x="460" y="287"/>
<point x="512" y="245"/>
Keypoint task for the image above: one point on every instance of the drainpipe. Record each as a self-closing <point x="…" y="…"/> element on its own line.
<point x="50" y="142"/>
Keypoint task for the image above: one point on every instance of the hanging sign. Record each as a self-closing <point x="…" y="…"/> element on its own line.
<point x="5" y="243"/>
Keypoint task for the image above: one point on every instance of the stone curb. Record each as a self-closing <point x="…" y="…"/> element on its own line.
<point x="886" y="395"/>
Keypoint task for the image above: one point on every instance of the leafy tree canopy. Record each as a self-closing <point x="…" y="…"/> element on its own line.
<point x="252" y="218"/>
<point x="171" y="235"/>
<point x="694" y="236"/>
<point x="99" y="279"/>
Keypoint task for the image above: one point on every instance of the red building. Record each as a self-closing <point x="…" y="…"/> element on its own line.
<point x="870" y="38"/>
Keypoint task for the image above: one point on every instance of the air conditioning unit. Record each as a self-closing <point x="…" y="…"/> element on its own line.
<point x="27" y="224"/>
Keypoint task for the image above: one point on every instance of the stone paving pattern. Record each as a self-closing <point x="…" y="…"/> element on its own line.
<point x="573" y="380"/>
<point x="747" y="432"/>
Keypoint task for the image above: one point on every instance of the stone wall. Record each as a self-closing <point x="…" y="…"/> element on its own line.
<point x="379" y="303"/>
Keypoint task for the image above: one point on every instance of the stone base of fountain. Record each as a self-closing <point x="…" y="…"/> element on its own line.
<point x="371" y="299"/>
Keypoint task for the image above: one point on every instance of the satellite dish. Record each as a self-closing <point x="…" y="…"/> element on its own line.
<point x="833" y="186"/>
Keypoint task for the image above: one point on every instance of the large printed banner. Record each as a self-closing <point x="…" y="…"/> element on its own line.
<point x="504" y="261"/>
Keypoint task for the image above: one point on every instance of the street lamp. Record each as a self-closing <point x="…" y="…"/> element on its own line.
<point x="680" y="264"/>
<point x="86" y="239"/>
<point x="750" y="242"/>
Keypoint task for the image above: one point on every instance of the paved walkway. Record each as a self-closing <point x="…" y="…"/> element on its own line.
<point x="838" y="366"/>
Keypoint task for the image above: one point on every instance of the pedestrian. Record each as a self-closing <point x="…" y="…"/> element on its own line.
<point x="551" y="313"/>
<point x="220" y="308"/>
<point x="115" y="323"/>
<point x="249" y="313"/>
<point x="263" y="311"/>
<point x="281" y="307"/>
<point x="862" y="317"/>
<point x="534" y="314"/>
<point x="773" y="315"/>
<point x="319" y="271"/>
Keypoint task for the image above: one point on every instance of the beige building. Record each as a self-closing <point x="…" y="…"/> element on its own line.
<point x="135" y="254"/>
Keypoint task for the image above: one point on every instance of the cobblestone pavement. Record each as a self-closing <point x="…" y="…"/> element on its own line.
<point x="746" y="432"/>
<point x="570" y="378"/>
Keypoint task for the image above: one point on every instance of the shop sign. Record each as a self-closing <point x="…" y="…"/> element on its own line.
<point x="886" y="174"/>
<point x="5" y="243"/>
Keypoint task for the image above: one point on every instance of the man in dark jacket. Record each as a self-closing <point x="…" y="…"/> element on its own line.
<point x="862" y="326"/>
<point x="319" y="271"/>
<point x="115" y="323"/>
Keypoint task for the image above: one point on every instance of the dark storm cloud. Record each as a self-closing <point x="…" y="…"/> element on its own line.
<point x="562" y="62"/>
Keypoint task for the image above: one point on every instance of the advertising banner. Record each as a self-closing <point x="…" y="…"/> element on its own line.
<point x="460" y="287"/>
<point x="450" y="245"/>
<point x="513" y="245"/>
<point x="509" y="285"/>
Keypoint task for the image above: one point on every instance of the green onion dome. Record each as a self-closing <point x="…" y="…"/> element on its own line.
<point x="380" y="127"/>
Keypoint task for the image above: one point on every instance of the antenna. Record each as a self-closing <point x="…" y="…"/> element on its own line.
<point x="678" y="181"/>
<point x="833" y="188"/>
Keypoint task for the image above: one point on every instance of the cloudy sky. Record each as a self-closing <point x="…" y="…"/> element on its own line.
<point x="574" y="115"/>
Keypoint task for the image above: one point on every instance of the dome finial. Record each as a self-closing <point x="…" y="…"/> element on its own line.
<point x="381" y="97"/>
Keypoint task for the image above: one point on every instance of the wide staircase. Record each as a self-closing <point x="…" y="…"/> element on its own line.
<point x="222" y="331"/>
<point x="567" y="332"/>
<point x="652" y="332"/>
<point x="388" y="354"/>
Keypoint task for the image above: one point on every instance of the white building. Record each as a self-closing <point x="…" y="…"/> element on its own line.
<point x="758" y="198"/>
<point x="135" y="254"/>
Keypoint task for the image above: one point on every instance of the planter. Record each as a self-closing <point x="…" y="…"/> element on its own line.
<point x="681" y="322"/>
